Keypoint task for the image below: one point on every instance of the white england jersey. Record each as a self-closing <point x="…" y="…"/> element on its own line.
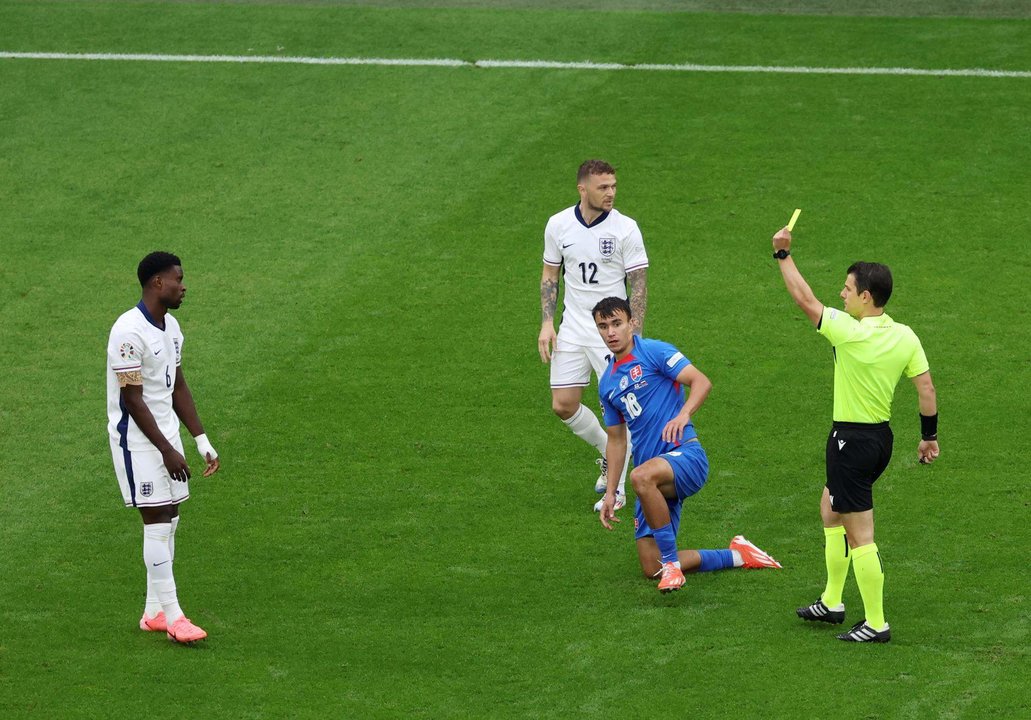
<point x="138" y="344"/>
<point x="597" y="259"/>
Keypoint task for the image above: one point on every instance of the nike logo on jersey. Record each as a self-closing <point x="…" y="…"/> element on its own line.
<point x="156" y="353"/>
<point x="568" y="246"/>
<point x="841" y="444"/>
<point x="160" y="563"/>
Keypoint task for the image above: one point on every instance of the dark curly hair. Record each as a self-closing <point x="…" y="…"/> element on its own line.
<point x="156" y="262"/>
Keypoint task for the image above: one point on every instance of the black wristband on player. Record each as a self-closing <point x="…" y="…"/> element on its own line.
<point x="929" y="427"/>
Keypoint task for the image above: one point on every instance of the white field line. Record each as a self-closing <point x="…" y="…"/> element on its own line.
<point x="525" y="64"/>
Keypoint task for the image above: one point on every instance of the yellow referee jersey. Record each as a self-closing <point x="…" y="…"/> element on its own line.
<point x="870" y="356"/>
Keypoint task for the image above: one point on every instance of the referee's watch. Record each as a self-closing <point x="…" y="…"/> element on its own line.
<point x="781" y="254"/>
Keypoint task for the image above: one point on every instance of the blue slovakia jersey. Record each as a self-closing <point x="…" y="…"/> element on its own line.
<point x="642" y="391"/>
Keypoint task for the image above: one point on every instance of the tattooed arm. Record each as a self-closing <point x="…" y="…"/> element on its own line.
<point x="638" y="280"/>
<point x="549" y="301"/>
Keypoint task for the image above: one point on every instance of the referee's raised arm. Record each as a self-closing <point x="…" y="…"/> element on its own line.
<point x="800" y="291"/>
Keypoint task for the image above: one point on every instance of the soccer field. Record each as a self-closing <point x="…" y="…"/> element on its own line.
<point x="401" y="527"/>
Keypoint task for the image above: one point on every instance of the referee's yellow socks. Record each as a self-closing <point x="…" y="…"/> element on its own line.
<point x="836" y="552"/>
<point x="866" y="563"/>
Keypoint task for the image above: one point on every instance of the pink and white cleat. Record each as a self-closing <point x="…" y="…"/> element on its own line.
<point x="184" y="631"/>
<point x="154" y="624"/>
<point x="753" y="556"/>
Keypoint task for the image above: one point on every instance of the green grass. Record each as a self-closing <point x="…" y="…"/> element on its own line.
<point x="401" y="527"/>
<point x="481" y="33"/>
<point x="853" y="8"/>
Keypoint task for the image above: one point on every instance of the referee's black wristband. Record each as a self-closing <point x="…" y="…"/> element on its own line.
<point x="929" y="427"/>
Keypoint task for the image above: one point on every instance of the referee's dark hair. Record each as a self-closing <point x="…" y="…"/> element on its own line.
<point x="156" y="262"/>
<point x="874" y="277"/>
<point x="610" y="306"/>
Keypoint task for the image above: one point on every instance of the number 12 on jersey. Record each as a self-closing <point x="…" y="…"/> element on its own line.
<point x="584" y="267"/>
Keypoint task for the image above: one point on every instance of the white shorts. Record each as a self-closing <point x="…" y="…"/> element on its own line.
<point x="144" y="479"/>
<point x="571" y="364"/>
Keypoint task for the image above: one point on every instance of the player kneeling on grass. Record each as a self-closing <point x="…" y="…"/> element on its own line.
<point x="643" y="389"/>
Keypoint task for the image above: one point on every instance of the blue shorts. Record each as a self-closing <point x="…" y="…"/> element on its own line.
<point x="690" y="471"/>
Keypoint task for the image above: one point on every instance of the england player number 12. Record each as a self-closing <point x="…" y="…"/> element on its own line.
<point x="594" y="273"/>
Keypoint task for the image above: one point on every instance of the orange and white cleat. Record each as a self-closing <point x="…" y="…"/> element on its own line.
<point x="184" y="631"/>
<point x="154" y="624"/>
<point x="672" y="578"/>
<point x="753" y="556"/>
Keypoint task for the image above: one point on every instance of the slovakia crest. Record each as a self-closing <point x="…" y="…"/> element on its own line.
<point x="607" y="245"/>
<point x="146" y="489"/>
<point x="636" y="372"/>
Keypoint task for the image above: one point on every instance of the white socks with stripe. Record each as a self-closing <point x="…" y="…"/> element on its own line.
<point x="585" y="426"/>
<point x="157" y="556"/>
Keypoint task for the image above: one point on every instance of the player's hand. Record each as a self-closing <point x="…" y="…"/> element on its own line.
<point x="674" y="430"/>
<point x="211" y="466"/>
<point x="546" y="341"/>
<point x="607" y="515"/>
<point x="176" y="465"/>
<point x="928" y="451"/>
<point x="782" y="240"/>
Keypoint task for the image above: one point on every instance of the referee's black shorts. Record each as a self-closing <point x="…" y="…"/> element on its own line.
<point x="857" y="454"/>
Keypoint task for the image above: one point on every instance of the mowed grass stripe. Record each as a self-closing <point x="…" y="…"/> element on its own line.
<point x="524" y="64"/>
<point x="498" y="34"/>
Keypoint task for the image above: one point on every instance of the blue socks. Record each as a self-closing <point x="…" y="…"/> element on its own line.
<point x="716" y="560"/>
<point x="666" y="539"/>
<point x="711" y="559"/>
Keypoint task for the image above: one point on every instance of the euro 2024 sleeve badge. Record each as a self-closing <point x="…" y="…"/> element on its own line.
<point x="128" y="352"/>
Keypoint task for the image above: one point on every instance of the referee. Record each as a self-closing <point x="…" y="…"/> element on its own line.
<point x="871" y="352"/>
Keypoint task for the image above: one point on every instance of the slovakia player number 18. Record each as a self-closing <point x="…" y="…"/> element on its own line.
<point x="633" y="408"/>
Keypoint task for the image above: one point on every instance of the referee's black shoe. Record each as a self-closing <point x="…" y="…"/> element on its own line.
<point x="861" y="632"/>
<point x="819" y="612"/>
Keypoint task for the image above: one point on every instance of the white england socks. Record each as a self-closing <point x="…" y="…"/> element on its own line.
<point x="153" y="606"/>
<point x="585" y="426"/>
<point x="158" y="559"/>
<point x="171" y="537"/>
